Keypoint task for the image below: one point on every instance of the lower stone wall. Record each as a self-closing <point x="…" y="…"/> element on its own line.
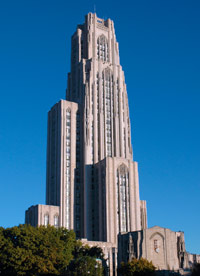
<point x="42" y="215"/>
<point x="165" y="248"/>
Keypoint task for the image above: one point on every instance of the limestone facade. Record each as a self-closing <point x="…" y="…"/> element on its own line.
<point x="119" y="206"/>
<point x="165" y="248"/>
<point x="90" y="172"/>
<point x="42" y="215"/>
<point x="92" y="183"/>
<point x="61" y="160"/>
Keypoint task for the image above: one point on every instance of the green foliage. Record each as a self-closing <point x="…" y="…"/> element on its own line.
<point x="35" y="251"/>
<point x="84" y="266"/>
<point x="137" y="267"/>
<point x="196" y="270"/>
<point x="87" y="261"/>
<point x="81" y="250"/>
<point x="31" y="251"/>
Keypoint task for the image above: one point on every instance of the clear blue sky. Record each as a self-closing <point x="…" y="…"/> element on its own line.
<point x="159" y="44"/>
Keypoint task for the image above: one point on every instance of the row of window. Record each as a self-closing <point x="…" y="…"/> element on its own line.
<point x="102" y="48"/>
<point x="77" y="199"/>
<point x="56" y="220"/>
<point x="68" y="168"/>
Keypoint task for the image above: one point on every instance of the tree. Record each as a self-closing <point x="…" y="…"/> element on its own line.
<point x="84" y="266"/>
<point x="87" y="261"/>
<point x="31" y="251"/>
<point x="141" y="267"/>
<point x="196" y="270"/>
<point x="35" y="251"/>
<point x="81" y="250"/>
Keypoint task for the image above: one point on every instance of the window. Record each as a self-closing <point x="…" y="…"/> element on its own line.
<point x="124" y="143"/>
<point x="123" y="198"/>
<point x="56" y="223"/>
<point x="107" y="88"/>
<point x="46" y="219"/>
<point x="67" y="171"/>
<point x="102" y="48"/>
<point x="117" y="88"/>
<point x="156" y="246"/>
<point x="77" y="181"/>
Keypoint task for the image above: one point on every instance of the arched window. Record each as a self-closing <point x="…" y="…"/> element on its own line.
<point x="46" y="219"/>
<point x="102" y="48"/>
<point x="156" y="245"/>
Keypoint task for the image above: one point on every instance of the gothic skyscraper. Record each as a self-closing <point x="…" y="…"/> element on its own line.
<point x="92" y="181"/>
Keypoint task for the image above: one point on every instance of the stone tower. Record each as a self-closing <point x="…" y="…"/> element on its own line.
<point x="92" y="182"/>
<point x="91" y="174"/>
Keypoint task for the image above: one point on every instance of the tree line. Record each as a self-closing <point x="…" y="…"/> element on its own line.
<point x="35" y="251"/>
<point x="50" y="251"/>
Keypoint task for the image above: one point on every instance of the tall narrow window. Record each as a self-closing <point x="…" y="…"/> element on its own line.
<point x="78" y="174"/>
<point x="98" y="127"/>
<point x="156" y="246"/>
<point x="92" y="140"/>
<point x="68" y="168"/>
<point x="108" y="110"/>
<point x="56" y="223"/>
<point x="117" y="95"/>
<point x="102" y="48"/>
<point x="123" y="198"/>
<point x="124" y="143"/>
<point x="46" y="219"/>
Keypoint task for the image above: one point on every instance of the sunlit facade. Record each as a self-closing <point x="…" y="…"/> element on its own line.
<point x="92" y="181"/>
<point x="91" y="175"/>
